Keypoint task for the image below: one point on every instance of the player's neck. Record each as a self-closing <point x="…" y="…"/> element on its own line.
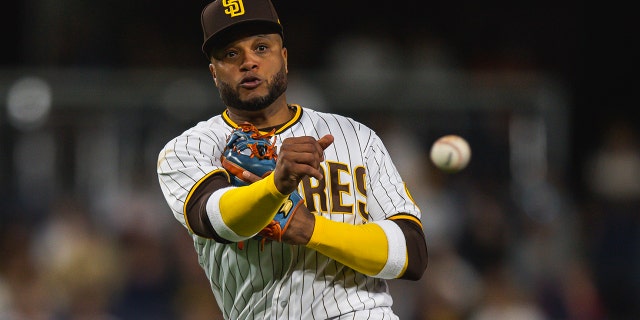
<point x="274" y="115"/>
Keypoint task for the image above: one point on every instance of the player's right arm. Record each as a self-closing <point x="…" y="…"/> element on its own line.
<point x="198" y="191"/>
<point x="216" y="210"/>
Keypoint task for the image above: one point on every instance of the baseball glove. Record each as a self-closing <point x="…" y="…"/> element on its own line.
<point x="249" y="150"/>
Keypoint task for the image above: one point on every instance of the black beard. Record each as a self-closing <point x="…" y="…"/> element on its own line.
<point x="231" y="98"/>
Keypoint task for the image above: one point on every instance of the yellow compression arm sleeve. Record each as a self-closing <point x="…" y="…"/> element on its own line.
<point x="363" y="248"/>
<point x="248" y="209"/>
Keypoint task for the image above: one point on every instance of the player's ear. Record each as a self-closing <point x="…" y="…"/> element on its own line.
<point x="212" y="69"/>
<point x="284" y="57"/>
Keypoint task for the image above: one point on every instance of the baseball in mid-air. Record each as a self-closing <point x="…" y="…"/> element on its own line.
<point x="450" y="153"/>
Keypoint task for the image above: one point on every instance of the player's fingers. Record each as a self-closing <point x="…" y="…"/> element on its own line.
<point x="290" y="171"/>
<point x="301" y="156"/>
<point x="298" y="170"/>
<point x="297" y="160"/>
<point x="325" y="141"/>
<point x="307" y="144"/>
<point x="249" y="176"/>
<point x="311" y="170"/>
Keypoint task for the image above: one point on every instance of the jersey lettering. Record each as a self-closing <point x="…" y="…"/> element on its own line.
<point x="335" y="190"/>
<point x="360" y="173"/>
<point x="315" y="190"/>
<point x="338" y="188"/>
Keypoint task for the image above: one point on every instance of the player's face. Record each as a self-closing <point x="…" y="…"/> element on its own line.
<point x="251" y="73"/>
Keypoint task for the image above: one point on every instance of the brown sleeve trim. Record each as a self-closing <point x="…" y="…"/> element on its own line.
<point x="195" y="207"/>
<point x="417" y="254"/>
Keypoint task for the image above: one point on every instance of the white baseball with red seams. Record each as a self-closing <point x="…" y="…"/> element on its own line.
<point x="450" y="153"/>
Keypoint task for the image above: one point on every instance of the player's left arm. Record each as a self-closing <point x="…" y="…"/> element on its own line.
<point x="394" y="248"/>
<point x="392" y="243"/>
<point x="389" y="248"/>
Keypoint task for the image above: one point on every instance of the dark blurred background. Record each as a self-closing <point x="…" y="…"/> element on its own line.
<point x="543" y="224"/>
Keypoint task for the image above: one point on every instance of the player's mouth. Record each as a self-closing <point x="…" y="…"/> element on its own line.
<point x="250" y="82"/>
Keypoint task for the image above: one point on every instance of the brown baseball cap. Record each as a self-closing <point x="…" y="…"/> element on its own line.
<point x="224" y="19"/>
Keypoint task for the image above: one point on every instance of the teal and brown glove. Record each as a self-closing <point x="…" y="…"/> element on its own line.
<point x="248" y="149"/>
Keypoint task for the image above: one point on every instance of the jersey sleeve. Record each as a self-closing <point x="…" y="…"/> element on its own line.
<point x="184" y="162"/>
<point x="389" y="200"/>
<point x="387" y="192"/>
<point x="392" y="233"/>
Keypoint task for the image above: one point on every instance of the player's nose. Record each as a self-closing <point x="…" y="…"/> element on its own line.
<point x="249" y="61"/>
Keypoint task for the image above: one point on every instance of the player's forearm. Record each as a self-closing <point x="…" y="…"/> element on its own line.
<point x="377" y="249"/>
<point x="246" y="210"/>
<point x="214" y="211"/>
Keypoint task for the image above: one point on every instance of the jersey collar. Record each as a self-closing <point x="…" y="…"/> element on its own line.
<point x="285" y="126"/>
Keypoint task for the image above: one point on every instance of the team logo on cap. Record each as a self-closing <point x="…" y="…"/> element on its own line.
<point x="233" y="7"/>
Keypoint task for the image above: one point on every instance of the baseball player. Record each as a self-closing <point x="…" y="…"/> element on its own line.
<point x="343" y="220"/>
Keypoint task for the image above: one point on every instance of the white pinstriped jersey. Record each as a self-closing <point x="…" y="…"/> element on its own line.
<point x="281" y="281"/>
